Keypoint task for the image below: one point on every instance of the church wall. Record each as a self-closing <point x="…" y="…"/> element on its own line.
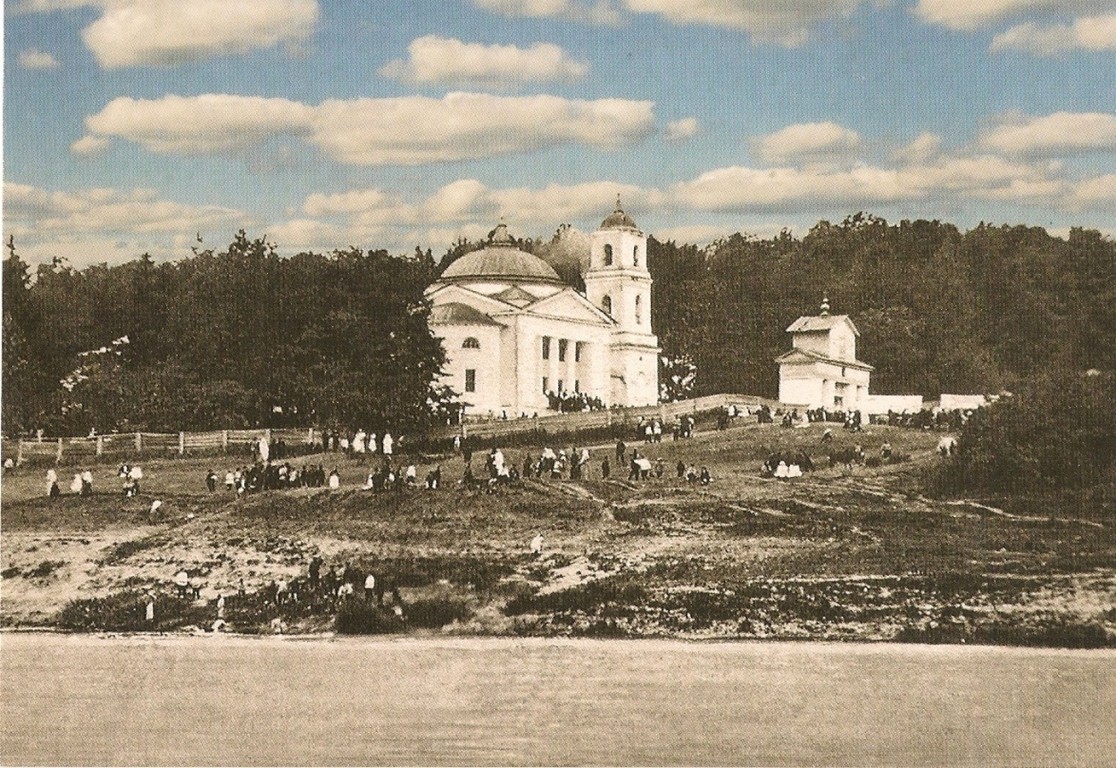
<point x="818" y="383"/>
<point x="842" y="343"/>
<point x="484" y="362"/>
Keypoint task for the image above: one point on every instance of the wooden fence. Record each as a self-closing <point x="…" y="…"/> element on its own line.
<point x="239" y="440"/>
<point x="151" y="443"/>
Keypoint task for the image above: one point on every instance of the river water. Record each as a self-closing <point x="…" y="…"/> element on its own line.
<point x="244" y="701"/>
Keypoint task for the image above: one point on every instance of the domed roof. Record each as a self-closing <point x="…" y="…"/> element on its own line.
<point x="618" y="219"/>
<point x="500" y="260"/>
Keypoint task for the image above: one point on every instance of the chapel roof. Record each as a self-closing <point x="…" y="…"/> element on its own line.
<point x="500" y="260"/>
<point x="805" y="355"/>
<point x="816" y="323"/>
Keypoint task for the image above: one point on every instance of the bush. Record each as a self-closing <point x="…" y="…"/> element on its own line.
<point x="126" y="612"/>
<point x="436" y="612"/>
<point x="357" y="616"/>
<point x="1059" y="431"/>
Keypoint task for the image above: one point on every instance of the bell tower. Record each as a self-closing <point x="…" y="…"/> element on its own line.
<point x="619" y="283"/>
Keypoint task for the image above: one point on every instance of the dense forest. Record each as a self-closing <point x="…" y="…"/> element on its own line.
<point x="243" y="337"/>
<point x="236" y="338"/>
<point x="938" y="310"/>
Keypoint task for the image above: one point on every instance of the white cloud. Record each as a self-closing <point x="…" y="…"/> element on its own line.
<point x="207" y="123"/>
<point x="785" y="21"/>
<point x="89" y="145"/>
<point x="592" y="11"/>
<point x="33" y="58"/>
<point x="808" y="141"/>
<point x="968" y="15"/>
<point x="439" y="60"/>
<point x="1061" y="132"/>
<point x="925" y="146"/>
<point x="407" y="130"/>
<point x="133" y="33"/>
<point x="788" y="22"/>
<point x="1099" y="191"/>
<point x="680" y="130"/>
<point x="353" y="201"/>
<point x="92" y="225"/>
<point x="979" y="177"/>
<point x="1094" y="33"/>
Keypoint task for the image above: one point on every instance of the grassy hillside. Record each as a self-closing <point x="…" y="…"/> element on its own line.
<point x="839" y="553"/>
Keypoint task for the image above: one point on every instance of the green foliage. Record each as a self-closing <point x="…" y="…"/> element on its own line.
<point x="357" y="616"/>
<point x="237" y="338"/>
<point x="1058" y="432"/>
<point x="938" y="310"/>
<point x="125" y="612"/>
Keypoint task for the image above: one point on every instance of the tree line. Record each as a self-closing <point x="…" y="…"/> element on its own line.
<point x="241" y="337"/>
<point x="938" y="310"/>
<point x="235" y="338"/>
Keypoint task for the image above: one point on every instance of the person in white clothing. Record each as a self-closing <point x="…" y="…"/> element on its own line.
<point x="388" y="443"/>
<point x="358" y="441"/>
<point x="537" y="545"/>
<point x="334" y="480"/>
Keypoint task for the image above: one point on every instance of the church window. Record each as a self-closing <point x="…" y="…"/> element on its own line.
<point x="608" y="256"/>
<point x="546" y="347"/>
<point x="577" y="351"/>
<point x="546" y="385"/>
<point x="577" y="385"/>
<point x="563" y="345"/>
<point x="470" y="343"/>
<point x="470" y="380"/>
<point x="635" y="256"/>
<point x="606" y="305"/>
<point x="561" y="388"/>
<point x="639" y="310"/>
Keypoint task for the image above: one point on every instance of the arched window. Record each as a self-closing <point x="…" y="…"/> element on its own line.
<point x="470" y="343"/>
<point x="606" y="305"/>
<point x="639" y="310"/>
<point x="608" y="256"/>
<point x="635" y="256"/>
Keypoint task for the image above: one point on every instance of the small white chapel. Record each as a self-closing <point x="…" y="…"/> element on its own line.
<point x="821" y="369"/>
<point x="513" y="331"/>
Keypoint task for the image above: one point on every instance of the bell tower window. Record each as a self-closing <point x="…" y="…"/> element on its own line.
<point x="608" y="255"/>
<point x="606" y="305"/>
<point x="635" y="256"/>
<point x="639" y="310"/>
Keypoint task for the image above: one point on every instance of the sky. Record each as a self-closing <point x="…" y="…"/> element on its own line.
<point x="140" y="126"/>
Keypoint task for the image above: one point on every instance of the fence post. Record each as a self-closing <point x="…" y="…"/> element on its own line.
<point x="225" y="440"/>
<point x="19" y="452"/>
<point x="181" y="443"/>
<point x="139" y="442"/>
<point x="58" y="457"/>
<point x="310" y="436"/>
<point x="100" y="444"/>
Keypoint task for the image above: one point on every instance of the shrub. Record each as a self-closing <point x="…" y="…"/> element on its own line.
<point x="436" y="612"/>
<point x="125" y="612"/>
<point x="357" y="616"/>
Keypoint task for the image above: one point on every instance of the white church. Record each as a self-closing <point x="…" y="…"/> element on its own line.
<point x="513" y="331"/>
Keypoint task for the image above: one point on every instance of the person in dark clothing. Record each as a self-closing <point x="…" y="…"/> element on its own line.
<point x="211" y="481"/>
<point x="680" y="468"/>
<point x="621" y="450"/>
<point x="605" y="468"/>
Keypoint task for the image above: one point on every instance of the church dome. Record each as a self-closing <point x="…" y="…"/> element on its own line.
<point x="501" y="261"/>
<point x="618" y="219"/>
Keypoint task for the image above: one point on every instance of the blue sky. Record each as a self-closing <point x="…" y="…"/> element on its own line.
<point x="133" y="126"/>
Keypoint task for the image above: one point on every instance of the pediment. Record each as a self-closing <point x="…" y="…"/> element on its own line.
<point x="569" y="305"/>
<point x="458" y="294"/>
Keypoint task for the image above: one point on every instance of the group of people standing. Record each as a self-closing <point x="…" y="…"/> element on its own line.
<point x="80" y="485"/>
<point x="359" y="442"/>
